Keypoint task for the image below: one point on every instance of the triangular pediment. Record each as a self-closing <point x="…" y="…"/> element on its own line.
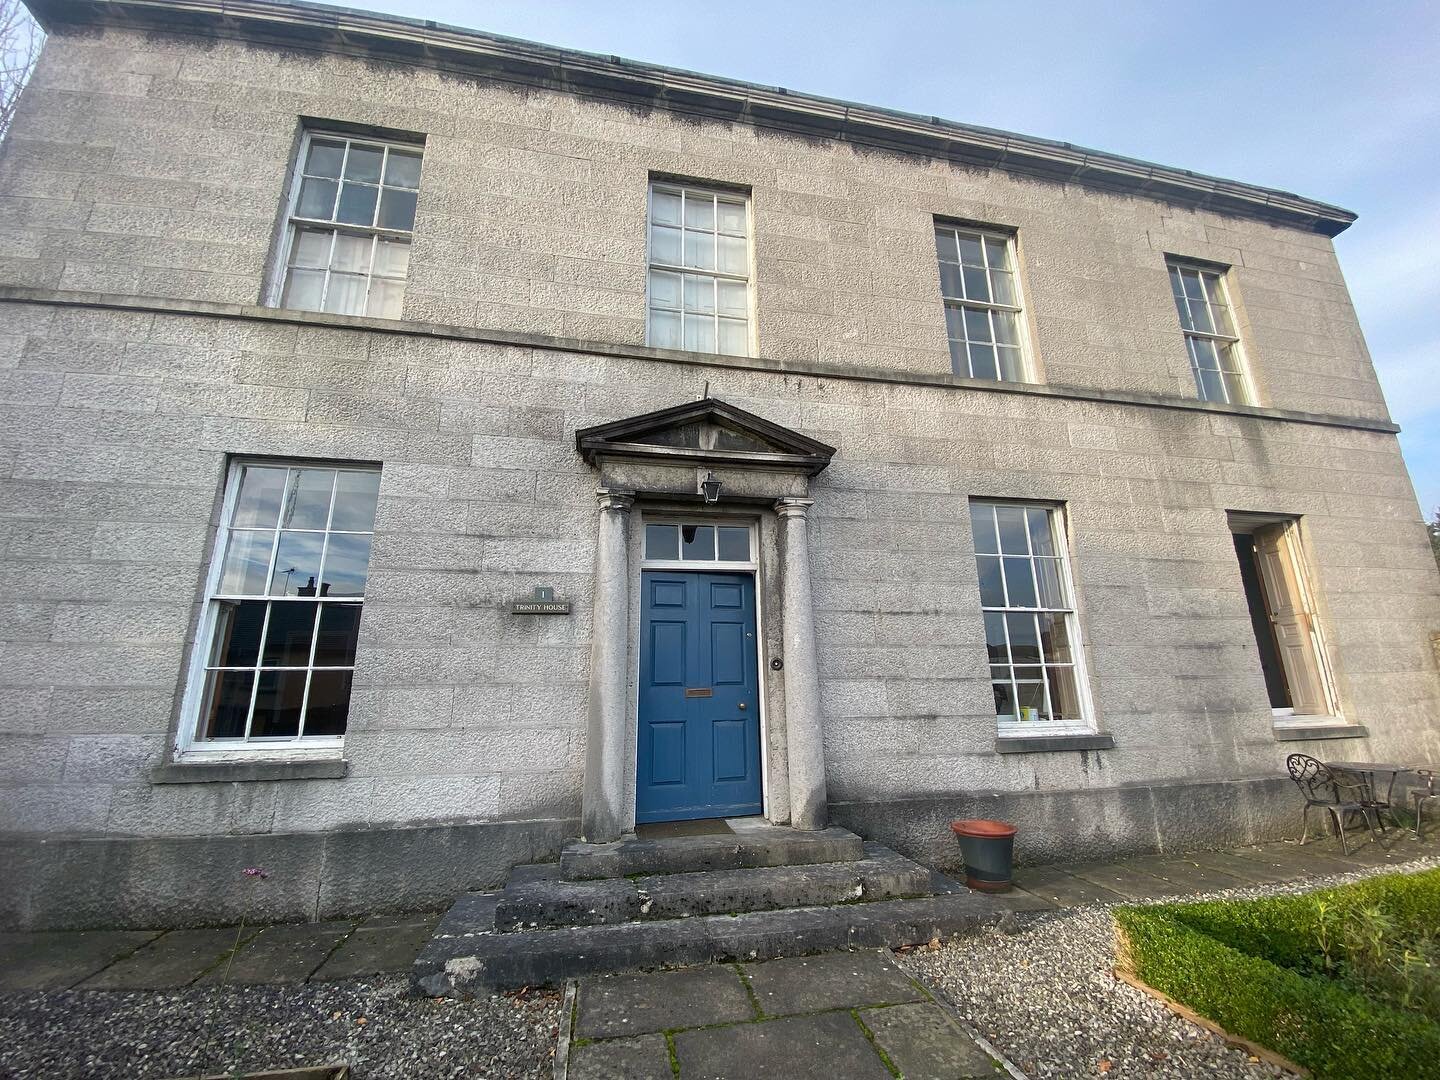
<point x="708" y="432"/>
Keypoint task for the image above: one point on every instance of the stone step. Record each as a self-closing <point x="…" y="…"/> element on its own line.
<point x="750" y="845"/>
<point x="462" y="959"/>
<point x="537" y="898"/>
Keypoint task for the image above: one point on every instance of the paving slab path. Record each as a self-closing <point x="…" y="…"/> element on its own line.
<point x="846" y="1014"/>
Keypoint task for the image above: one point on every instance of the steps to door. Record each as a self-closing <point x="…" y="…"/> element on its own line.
<point x="762" y="893"/>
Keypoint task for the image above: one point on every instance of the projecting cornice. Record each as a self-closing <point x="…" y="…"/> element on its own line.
<point x="454" y="49"/>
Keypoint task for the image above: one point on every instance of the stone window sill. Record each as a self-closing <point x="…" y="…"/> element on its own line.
<point x="229" y="772"/>
<point x="1049" y="744"/>
<point x="1299" y="732"/>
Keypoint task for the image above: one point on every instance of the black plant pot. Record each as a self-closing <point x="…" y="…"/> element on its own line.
<point x="988" y="848"/>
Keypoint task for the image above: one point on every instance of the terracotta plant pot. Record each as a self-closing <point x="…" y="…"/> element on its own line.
<point x="988" y="848"/>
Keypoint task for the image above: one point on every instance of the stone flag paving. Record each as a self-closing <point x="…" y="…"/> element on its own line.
<point x="851" y="1014"/>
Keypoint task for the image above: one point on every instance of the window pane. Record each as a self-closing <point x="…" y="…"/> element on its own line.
<point x="699" y="293"/>
<point x="1200" y="317"/>
<point x="665" y="208"/>
<point x="1190" y="279"/>
<point x="982" y="524"/>
<point x="247" y="560"/>
<point x="347" y="560"/>
<point x="329" y="704"/>
<point x="1013" y="530"/>
<point x="312" y="248"/>
<point x="976" y="284"/>
<point x="977" y="324"/>
<point x="357" y="204"/>
<point x="1183" y="308"/>
<point x="1004" y="700"/>
<point x="317" y="199"/>
<point x="355" y="495"/>
<point x="386" y="299"/>
<point x="325" y="157"/>
<point x="662" y="542"/>
<point x="277" y="704"/>
<point x="970" y="253"/>
<point x="304" y="290"/>
<point x="992" y="592"/>
<point x="1210" y="385"/>
<point x="699" y="333"/>
<point x="364" y="163"/>
<point x="734" y="298"/>
<point x="732" y="217"/>
<point x="1041" y="540"/>
<point x="732" y="255"/>
<point x="337" y="635"/>
<point x="258" y="504"/>
<point x="734" y="544"/>
<point x="397" y="209"/>
<point x="1055" y="639"/>
<point x="697" y="542"/>
<point x="1064" y="697"/>
<point x="734" y="338"/>
<point x="1010" y="363"/>
<point x="699" y="211"/>
<point x="1007" y="328"/>
<point x="1234" y="387"/>
<point x="297" y="564"/>
<point x="352" y="253"/>
<point x="346" y="294"/>
<point x="1031" y="701"/>
<point x="982" y="362"/>
<point x="1024" y="641"/>
<point x="665" y="246"/>
<point x="995" y="637"/>
<point x="955" y="322"/>
<point x="664" y="330"/>
<point x="307" y="503"/>
<point x="237" y="633"/>
<point x="1204" y="354"/>
<point x="1176" y="289"/>
<point x="945" y="248"/>
<point x="402" y="169"/>
<point x="951" y="285"/>
<point x="959" y="361"/>
<point x="287" y="639"/>
<point x="700" y="250"/>
<point x="1003" y="286"/>
<point x="1019" y="583"/>
<point x="997" y="253"/>
<point x="664" y="289"/>
<point x="227" y="703"/>
<point x="1047" y="578"/>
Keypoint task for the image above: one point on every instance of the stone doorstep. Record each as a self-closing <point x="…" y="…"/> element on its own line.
<point x="749" y="847"/>
<point x="462" y="960"/>
<point x="533" y="901"/>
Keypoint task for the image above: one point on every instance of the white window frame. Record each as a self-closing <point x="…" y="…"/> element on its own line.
<point x="285" y="250"/>
<point x="1006" y="237"/>
<point x="751" y="564"/>
<point x="680" y="188"/>
<point x="1222" y="341"/>
<point x="189" y="745"/>
<point x="1060" y="537"/>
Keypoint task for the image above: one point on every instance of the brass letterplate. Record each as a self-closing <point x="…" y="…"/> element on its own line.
<point x="699" y="691"/>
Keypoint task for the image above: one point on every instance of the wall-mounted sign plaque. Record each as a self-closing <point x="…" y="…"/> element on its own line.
<point x="542" y="602"/>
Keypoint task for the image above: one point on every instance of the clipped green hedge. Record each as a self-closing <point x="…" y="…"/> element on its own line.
<point x="1220" y="959"/>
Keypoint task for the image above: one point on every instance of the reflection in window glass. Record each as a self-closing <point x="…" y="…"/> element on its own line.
<point x="662" y="541"/>
<point x="733" y="544"/>
<point x="697" y="543"/>
<point x="699" y="291"/>
<point x="982" y="303"/>
<point x="1029" y="616"/>
<point x="1210" y="336"/>
<point x="285" y="616"/>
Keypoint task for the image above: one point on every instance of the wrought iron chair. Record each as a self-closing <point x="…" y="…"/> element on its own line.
<point x="1321" y="787"/>
<point x="1421" y="795"/>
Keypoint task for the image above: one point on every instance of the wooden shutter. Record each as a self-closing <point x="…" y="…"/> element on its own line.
<point x="1294" y="625"/>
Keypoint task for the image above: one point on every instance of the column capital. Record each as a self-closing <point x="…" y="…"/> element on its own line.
<point x="793" y="507"/>
<point x="614" y="500"/>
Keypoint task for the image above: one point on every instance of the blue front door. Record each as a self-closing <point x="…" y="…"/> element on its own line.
<point x="699" y="752"/>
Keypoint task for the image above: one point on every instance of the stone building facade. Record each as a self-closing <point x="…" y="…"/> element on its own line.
<point x="521" y="351"/>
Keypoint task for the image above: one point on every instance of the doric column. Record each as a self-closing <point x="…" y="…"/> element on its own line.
<point x="805" y="737"/>
<point x="601" y="813"/>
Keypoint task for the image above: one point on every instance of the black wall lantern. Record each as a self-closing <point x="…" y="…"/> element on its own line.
<point x="710" y="488"/>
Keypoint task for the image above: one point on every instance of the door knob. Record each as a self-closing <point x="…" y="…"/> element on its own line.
<point x="742" y="705"/>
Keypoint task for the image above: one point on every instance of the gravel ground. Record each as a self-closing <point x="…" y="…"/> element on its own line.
<point x="371" y="1023"/>
<point x="1047" y="998"/>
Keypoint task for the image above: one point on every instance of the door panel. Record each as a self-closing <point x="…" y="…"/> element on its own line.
<point x="1294" y="629"/>
<point x="699" y="741"/>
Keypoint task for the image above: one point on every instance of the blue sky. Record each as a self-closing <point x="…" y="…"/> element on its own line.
<point x="1336" y="101"/>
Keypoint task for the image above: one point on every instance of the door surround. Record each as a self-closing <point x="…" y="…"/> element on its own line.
<point x="652" y="466"/>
